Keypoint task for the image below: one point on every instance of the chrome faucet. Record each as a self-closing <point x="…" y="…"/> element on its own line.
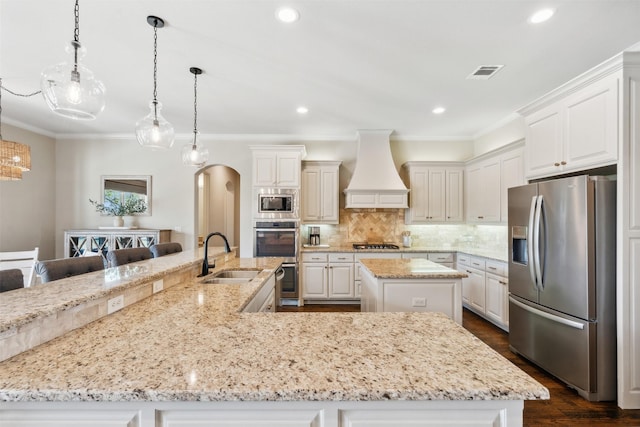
<point x="205" y="261"/>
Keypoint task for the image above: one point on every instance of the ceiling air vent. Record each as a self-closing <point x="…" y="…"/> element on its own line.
<point x="484" y="72"/>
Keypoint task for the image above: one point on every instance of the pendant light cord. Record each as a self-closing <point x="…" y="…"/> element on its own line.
<point x="26" y="95"/>
<point x="195" y="110"/>
<point x="76" y="42"/>
<point x="155" y="71"/>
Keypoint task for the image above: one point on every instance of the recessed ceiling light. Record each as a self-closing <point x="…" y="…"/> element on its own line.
<point x="541" y="16"/>
<point x="302" y="110"/>
<point x="438" y="110"/>
<point x="287" y="14"/>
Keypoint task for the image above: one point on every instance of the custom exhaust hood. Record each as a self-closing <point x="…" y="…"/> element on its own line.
<point x="375" y="182"/>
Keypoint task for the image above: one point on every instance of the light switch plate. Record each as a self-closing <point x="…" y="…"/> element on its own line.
<point x="418" y="302"/>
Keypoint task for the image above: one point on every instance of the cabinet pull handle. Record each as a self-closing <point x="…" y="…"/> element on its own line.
<point x="492" y="268"/>
<point x="480" y="217"/>
<point x="502" y="282"/>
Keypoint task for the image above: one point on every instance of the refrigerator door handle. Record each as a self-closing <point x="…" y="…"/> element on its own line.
<point x="536" y="243"/>
<point x="557" y="319"/>
<point x="530" y="249"/>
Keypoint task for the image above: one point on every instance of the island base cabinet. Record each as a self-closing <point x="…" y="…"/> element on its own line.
<point x="482" y="413"/>
<point x="435" y="295"/>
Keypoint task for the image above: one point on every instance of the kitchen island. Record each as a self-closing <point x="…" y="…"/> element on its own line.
<point x="411" y="285"/>
<point x="189" y="355"/>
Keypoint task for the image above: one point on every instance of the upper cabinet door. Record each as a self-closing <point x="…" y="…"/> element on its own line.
<point x="577" y="132"/>
<point x="437" y="195"/>
<point x="288" y="170"/>
<point x="264" y="169"/>
<point x="543" y="133"/>
<point x="277" y="166"/>
<point x="455" y="195"/>
<point x="591" y="126"/>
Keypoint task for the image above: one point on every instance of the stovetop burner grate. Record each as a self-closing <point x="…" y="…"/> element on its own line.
<point x="375" y="246"/>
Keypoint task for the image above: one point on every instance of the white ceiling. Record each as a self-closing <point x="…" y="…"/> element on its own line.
<point x="356" y="64"/>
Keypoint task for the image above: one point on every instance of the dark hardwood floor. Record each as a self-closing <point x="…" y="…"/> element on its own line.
<point x="565" y="408"/>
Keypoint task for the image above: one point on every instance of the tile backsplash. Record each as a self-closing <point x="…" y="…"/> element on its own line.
<point x="387" y="225"/>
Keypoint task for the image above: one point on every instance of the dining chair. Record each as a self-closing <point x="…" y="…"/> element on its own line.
<point x="119" y="257"/>
<point x="162" y="249"/>
<point x="11" y="279"/>
<point x="56" y="269"/>
<point x="25" y="261"/>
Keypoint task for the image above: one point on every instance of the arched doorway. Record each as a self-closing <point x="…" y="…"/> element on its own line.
<point x="218" y="203"/>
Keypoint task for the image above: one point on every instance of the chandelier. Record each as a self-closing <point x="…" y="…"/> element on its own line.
<point x="69" y="88"/>
<point x="154" y="131"/>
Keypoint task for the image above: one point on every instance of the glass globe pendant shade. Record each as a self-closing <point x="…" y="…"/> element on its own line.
<point x="194" y="154"/>
<point x="71" y="90"/>
<point x="153" y="131"/>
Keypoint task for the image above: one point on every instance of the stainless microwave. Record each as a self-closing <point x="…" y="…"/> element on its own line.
<point x="277" y="203"/>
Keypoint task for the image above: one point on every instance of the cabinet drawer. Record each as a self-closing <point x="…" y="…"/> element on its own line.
<point x="314" y="257"/>
<point x="441" y="257"/>
<point x="463" y="259"/>
<point x="476" y="262"/>
<point x="496" y="267"/>
<point x="341" y="257"/>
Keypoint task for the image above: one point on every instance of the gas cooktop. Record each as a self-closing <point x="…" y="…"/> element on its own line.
<point x="375" y="246"/>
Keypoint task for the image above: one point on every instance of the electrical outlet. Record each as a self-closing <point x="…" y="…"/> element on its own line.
<point x="418" y="302"/>
<point x="158" y="285"/>
<point x="115" y="304"/>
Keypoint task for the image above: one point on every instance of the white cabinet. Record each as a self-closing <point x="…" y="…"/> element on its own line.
<point x="320" y="192"/>
<point x="497" y="293"/>
<point x="328" y="276"/>
<point x="277" y="165"/>
<point x="98" y="242"/>
<point x="436" y="193"/>
<point x="408" y="294"/>
<point x="488" y="179"/>
<point x="486" y="290"/>
<point x="265" y="299"/>
<point x="483" y="191"/>
<point x="579" y="131"/>
<point x="511" y="175"/>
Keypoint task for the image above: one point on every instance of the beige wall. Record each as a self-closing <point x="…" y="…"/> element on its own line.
<point x="27" y="207"/>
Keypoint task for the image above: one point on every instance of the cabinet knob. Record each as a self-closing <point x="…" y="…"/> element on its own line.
<point x="556" y="164"/>
<point x="563" y="163"/>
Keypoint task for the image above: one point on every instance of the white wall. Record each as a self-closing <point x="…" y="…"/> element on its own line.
<point x="27" y="207"/>
<point x="509" y="130"/>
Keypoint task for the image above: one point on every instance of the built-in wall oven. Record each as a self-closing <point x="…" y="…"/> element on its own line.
<point x="280" y="239"/>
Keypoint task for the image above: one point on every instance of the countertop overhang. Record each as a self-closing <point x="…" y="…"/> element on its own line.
<point x="413" y="268"/>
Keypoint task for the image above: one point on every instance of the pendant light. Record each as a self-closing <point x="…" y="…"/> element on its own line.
<point x="153" y="131"/>
<point x="14" y="156"/>
<point x="69" y="88"/>
<point x="192" y="153"/>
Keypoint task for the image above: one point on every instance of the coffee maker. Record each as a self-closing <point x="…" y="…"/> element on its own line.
<point x="314" y="236"/>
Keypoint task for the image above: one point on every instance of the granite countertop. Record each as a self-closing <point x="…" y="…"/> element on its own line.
<point x="414" y="268"/>
<point x="25" y="305"/>
<point x="190" y="342"/>
<point x="498" y="255"/>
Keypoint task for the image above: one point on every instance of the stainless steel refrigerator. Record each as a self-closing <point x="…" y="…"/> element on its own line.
<point x="562" y="312"/>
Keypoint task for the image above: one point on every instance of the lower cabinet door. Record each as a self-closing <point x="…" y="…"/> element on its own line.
<point x="66" y="418"/>
<point x="314" y="280"/>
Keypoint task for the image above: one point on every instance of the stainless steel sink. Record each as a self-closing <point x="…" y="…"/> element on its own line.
<point x="230" y="277"/>
<point x="236" y="274"/>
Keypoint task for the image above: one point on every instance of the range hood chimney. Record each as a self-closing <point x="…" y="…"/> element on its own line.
<point x="375" y="182"/>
